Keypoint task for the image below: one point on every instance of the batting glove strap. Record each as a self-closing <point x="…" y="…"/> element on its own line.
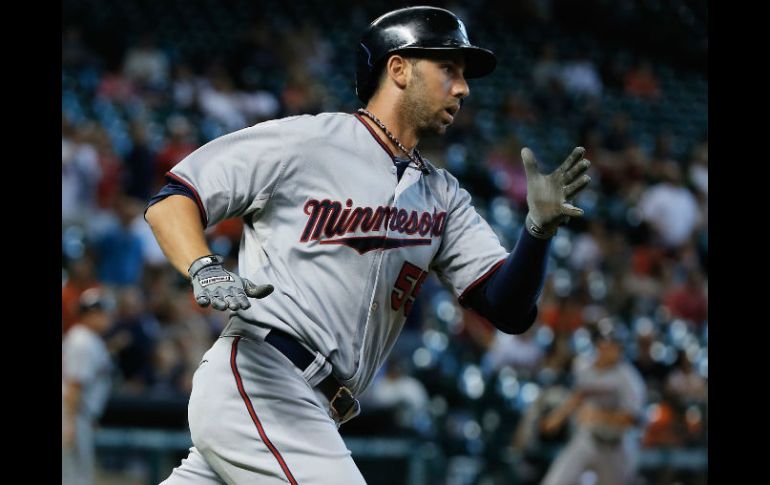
<point x="203" y="262"/>
<point x="538" y="231"/>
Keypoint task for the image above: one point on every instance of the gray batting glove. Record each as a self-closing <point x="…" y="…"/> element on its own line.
<point x="547" y="195"/>
<point x="214" y="285"/>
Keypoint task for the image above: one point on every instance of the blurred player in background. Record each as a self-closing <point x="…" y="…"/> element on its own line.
<point x="86" y="369"/>
<point x="607" y="404"/>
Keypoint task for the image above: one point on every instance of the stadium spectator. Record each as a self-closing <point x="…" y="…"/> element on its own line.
<point x="587" y="249"/>
<point x="168" y="377"/>
<point x="664" y="426"/>
<point x="146" y="64"/>
<point x="396" y="390"/>
<point x="618" y="138"/>
<point x="547" y="70"/>
<point x="549" y="93"/>
<point x="139" y="164"/>
<point x="80" y="277"/>
<point x="254" y="55"/>
<point x="120" y="253"/>
<point x="684" y="382"/>
<point x="688" y="299"/>
<point x="507" y="171"/>
<point x="517" y="108"/>
<point x="80" y="172"/>
<point x="641" y="81"/>
<point x="179" y="144"/>
<point x="139" y="331"/>
<point x="580" y="76"/>
<point x="184" y="86"/>
<point x="652" y="369"/>
<point x="562" y="314"/>
<point x="218" y="100"/>
<point x="520" y="352"/>
<point x="108" y="188"/>
<point x="670" y="208"/>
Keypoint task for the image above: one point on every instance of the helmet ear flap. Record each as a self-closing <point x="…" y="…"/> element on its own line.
<point x="370" y="80"/>
<point x="367" y="73"/>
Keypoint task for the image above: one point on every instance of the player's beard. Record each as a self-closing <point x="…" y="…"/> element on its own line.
<point x="417" y="109"/>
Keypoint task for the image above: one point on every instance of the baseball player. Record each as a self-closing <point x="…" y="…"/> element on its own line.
<point x="343" y="220"/>
<point x="86" y="381"/>
<point x="607" y="403"/>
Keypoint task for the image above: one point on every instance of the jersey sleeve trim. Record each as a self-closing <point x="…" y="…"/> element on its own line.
<point x="201" y="209"/>
<point x="374" y="135"/>
<point x="480" y="280"/>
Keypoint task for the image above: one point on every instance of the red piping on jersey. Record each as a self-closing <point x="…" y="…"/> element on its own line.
<point x="253" y="414"/>
<point x="204" y="219"/>
<point x="481" y="279"/>
<point x="379" y="140"/>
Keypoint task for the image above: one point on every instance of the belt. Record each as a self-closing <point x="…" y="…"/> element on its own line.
<point x="344" y="406"/>
<point x="606" y="440"/>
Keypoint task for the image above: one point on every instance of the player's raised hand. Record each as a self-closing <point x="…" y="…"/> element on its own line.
<point x="547" y="195"/>
<point x="214" y="285"/>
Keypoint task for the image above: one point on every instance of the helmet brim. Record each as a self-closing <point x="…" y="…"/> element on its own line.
<point x="479" y="62"/>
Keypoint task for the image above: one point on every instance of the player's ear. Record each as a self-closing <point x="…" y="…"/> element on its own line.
<point x="397" y="68"/>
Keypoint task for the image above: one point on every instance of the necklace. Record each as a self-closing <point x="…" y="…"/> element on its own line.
<point x="416" y="158"/>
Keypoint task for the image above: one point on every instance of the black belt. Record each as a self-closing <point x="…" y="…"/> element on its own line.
<point x="343" y="405"/>
<point x="606" y="440"/>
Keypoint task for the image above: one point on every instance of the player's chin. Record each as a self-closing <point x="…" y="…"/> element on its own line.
<point x="441" y="125"/>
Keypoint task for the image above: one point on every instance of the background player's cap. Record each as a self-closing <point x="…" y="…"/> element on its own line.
<point x="95" y="299"/>
<point x="415" y="29"/>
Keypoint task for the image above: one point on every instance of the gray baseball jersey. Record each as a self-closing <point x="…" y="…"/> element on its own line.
<point x="610" y="451"/>
<point x="345" y="243"/>
<point x="84" y="359"/>
<point x="619" y="388"/>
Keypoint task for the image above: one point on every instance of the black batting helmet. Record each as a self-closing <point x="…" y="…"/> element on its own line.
<point x="415" y="29"/>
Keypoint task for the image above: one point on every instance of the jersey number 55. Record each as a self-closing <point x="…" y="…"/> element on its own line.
<point x="407" y="287"/>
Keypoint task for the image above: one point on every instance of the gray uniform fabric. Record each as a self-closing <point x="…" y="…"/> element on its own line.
<point x="610" y="451"/>
<point x="307" y="187"/>
<point x="84" y="359"/>
<point x="346" y="244"/>
<point x="295" y="440"/>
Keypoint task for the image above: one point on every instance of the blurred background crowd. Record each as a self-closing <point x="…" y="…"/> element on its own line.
<point x="145" y="83"/>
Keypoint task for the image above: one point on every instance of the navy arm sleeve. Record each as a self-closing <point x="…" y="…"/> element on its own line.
<point x="176" y="187"/>
<point x="508" y="298"/>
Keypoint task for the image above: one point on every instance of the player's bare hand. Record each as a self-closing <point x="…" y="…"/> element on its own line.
<point x="214" y="285"/>
<point x="548" y="195"/>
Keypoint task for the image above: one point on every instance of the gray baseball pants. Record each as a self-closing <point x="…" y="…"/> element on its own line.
<point x="255" y="419"/>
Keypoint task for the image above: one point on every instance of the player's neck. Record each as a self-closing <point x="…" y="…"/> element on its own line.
<point x="398" y="127"/>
